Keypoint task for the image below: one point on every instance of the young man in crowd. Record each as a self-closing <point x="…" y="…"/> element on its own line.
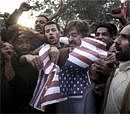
<point x="105" y="32"/>
<point x="52" y="33"/>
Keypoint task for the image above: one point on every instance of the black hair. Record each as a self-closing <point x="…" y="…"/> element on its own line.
<point x="112" y="29"/>
<point x="42" y="15"/>
<point x="52" y="22"/>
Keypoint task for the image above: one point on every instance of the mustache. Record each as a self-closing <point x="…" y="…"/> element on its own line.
<point x="38" y="26"/>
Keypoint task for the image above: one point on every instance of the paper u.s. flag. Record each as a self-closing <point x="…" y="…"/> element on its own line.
<point x="89" y="51"/>
<point x="74" y="76"/>
<point x="47" y="90"/>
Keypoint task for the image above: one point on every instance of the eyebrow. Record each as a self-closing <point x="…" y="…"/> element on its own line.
<point x="125" y="35"/>
<point x="101" y="33"/>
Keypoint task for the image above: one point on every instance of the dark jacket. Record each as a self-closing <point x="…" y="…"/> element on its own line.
<point x="125" y="109"/>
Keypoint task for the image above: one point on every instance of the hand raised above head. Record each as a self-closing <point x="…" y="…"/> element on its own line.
<point x="116" y="13"/>
<point x="24" y="7"/>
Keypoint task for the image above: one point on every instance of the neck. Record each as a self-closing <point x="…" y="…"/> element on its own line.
<point x="57" y="45"/>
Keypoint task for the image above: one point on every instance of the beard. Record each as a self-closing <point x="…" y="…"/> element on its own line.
<point x="122" y="56"/>
<point x="52" y="40"/>
<point x="38" y="29"/>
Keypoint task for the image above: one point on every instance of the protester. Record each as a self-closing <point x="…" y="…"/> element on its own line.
<point x="8" y="101"/>
<point x="52" y="33"/>
<point x="105" y="32"/>
<point x="40" y="22"/>
<point x="121" y="76"/>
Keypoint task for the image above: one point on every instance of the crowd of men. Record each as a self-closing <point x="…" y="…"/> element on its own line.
<point x="40" y="74"/>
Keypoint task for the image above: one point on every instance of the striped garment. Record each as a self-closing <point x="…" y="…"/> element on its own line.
<point x="47" y="90"/>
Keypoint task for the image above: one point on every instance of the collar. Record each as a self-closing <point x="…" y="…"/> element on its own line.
<point x="124" y="66"/>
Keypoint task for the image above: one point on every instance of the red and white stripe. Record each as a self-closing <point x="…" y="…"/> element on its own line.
<point x="47" y="91"/>
<point x="89" y="51"/>
<point x="47" y="64"/>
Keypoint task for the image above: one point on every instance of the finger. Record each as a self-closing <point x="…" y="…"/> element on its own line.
<point x="40" y="64"/>
<point x="99" y="67"/>
<point x="36" y="63"/>
<point x="33" y="64"/>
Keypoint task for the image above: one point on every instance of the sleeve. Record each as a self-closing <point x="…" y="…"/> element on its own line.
<point x="13" y="18"/>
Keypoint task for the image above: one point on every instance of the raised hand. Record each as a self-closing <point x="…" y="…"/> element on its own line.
<point x="117" y="13"/>
<point x="24" y="7"/>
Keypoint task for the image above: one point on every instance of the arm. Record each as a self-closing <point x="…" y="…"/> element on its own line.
<point x="36" y="37"/>
<point x="7" y="52"/>
<point x="36" y="61"/>
<point x="118" y="14"/>
<point x="58" y="12"/>
<point x="13" y="18"/>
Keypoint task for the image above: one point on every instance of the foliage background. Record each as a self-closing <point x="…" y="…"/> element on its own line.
<point x="94" y="10"/>
<point x="90" y="10"/>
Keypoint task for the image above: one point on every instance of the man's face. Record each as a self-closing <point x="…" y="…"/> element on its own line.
<point x="52" y="34"/>
<point x="22" y="45"/>
<point x="39" y="24"/>
<point x="122" y="44"/>
<point x="102" y="34"/>
<point x="74" y="37"/>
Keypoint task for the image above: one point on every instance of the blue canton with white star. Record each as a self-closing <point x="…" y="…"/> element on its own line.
<point x="73" y="80"/>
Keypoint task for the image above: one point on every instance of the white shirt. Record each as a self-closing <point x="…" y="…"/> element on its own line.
<point x="117" y="88"/>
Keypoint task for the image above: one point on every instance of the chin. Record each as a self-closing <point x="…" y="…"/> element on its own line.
<point x="38" y="30"/>
<point x="122" y="57"/>
<point x="21" y="52"/>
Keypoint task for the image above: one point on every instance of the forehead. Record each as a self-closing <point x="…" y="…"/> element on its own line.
<point x="50" y="26"/>
<point x="21" y="40"/>
<point x="102" y="29"/>
<point x="73" y="29"/>
<point x="41" y="18"/>
<point x="126" y="30"/>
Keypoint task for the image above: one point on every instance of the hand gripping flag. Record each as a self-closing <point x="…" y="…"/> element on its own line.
<point x="49" y="86"/>
<point x="47" y="90"/>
